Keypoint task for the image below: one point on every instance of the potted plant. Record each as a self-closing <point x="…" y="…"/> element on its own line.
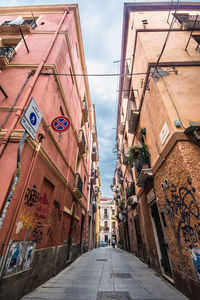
<point x="139" y="157"/>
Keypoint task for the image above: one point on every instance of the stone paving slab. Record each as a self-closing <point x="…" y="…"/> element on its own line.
<point x="90" y="279"/>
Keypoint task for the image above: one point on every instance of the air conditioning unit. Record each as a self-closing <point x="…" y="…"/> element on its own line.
<point x="193" y="132"/>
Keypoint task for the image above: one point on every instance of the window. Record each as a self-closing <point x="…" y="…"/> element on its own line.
<point x="113" y="212"/>
<point x="105" y="212"/>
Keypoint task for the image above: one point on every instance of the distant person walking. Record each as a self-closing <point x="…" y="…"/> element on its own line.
<point x="113" y="243"/>
<point x="109" y="242"/>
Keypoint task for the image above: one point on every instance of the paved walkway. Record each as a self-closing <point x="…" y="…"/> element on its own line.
<point x="106" y="274"/>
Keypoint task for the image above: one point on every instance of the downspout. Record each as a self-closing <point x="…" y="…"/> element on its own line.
<point x="25" y="99"/>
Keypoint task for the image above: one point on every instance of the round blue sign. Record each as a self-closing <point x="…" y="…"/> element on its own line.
<point x="33" y="118"/>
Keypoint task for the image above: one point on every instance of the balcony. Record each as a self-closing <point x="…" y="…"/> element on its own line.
<point x="105" y="216"/>
<point x="6" y="54"/>
<point x="124" y="159"/>
<point x="126" y="85"/>
<point x="96" y="190"/>
<point x="187" y="21"/>
<point x="106" y="228"/>
<point x="144" y="175"/>
<point x="122" y="127"/>
<point x="94" y="134"/>
<point x="85" y="111"/>
<point x="132" y="120"/>
<point x="25" y="25"/>
<point x="132" y="201"/>
<point x="78" y="185"/>
<point x="82" y="142"/>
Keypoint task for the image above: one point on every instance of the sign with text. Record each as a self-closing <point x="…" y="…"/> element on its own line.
<point x="31" y="119"/>
<point x="164" y="133"/>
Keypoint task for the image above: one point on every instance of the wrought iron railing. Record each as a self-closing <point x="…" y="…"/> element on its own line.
<point x="31" y="22"/>
<point x="7" y="52"/>
<point x="82" y="137"/>
<point x="78" y="183"/>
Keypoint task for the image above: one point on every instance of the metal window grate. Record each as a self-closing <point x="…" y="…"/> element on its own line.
<point x="120" y="275"/>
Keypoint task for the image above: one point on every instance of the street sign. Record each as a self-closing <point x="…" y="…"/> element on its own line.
<point x="31" y="119"/>
<point x="60" y="124"/>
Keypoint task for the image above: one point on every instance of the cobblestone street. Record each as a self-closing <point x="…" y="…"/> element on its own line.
<point x="105" y="274"/>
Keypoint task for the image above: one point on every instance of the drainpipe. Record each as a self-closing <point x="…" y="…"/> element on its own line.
<point x="26" y="97"/>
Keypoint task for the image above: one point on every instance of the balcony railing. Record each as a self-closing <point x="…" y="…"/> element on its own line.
<point x="6" y="54"/>
<point x="187" y="21"/>
<point x="81" y="141"/>
<point x="144" y="175"/>
<point x="26" y="26"/>
<point x="78" y="185"/>
<point x="85" y="111"/>
<point x="133" y="115"/>
<point x="122" y="127"/>
<point x="105" y="216"/>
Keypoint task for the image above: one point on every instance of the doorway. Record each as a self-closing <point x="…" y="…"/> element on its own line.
<point x="166" y="268"/>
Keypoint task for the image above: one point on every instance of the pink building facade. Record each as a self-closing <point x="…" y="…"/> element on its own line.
<point x="43" y="202"/>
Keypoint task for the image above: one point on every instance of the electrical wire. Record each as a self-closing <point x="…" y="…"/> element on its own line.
<point x="94" y="75"/>
<point x="167" y="36"/>
<point x="98" y="75"/>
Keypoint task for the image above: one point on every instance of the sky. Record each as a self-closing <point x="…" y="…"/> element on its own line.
<point x="101" y="25"/>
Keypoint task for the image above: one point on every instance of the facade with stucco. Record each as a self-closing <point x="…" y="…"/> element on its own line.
<point x="158" y="139"/>
<point x="44" y="195"/>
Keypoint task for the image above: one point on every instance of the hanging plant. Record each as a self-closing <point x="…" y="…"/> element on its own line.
<point x="138" y="155"/>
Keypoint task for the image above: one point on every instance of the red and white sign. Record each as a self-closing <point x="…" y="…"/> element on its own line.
<point x="60" y="124"/>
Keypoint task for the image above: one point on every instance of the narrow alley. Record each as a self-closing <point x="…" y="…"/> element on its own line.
<point x="105" y="274"/>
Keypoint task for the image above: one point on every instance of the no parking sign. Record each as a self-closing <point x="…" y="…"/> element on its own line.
<point x="60" y="123"/>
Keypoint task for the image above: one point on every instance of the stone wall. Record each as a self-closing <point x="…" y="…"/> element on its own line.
<point x="177" y="190"/>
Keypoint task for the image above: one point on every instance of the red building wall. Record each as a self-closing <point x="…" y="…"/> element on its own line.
<point x="44" y="204"/>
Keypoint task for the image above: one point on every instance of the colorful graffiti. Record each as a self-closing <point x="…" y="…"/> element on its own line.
<point x="40" y="212"/>
<point x="183" y="205"/>
<point x="24" y="221"/>
<point x="20" y="257"/>
<point x="31" y="196"/>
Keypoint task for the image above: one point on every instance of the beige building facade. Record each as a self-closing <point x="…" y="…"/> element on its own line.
<point x="158" y="139"/>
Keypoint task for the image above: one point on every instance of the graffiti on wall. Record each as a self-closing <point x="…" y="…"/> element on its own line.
<point x="41" y="210"/>
<point x="24" y="221"/>
<point x="56" y="212"/>
<point x="19" y="257"/>
<point x="183" y="205"/>
<point x="37" y="233"/>
<point x="31" y="196"/>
